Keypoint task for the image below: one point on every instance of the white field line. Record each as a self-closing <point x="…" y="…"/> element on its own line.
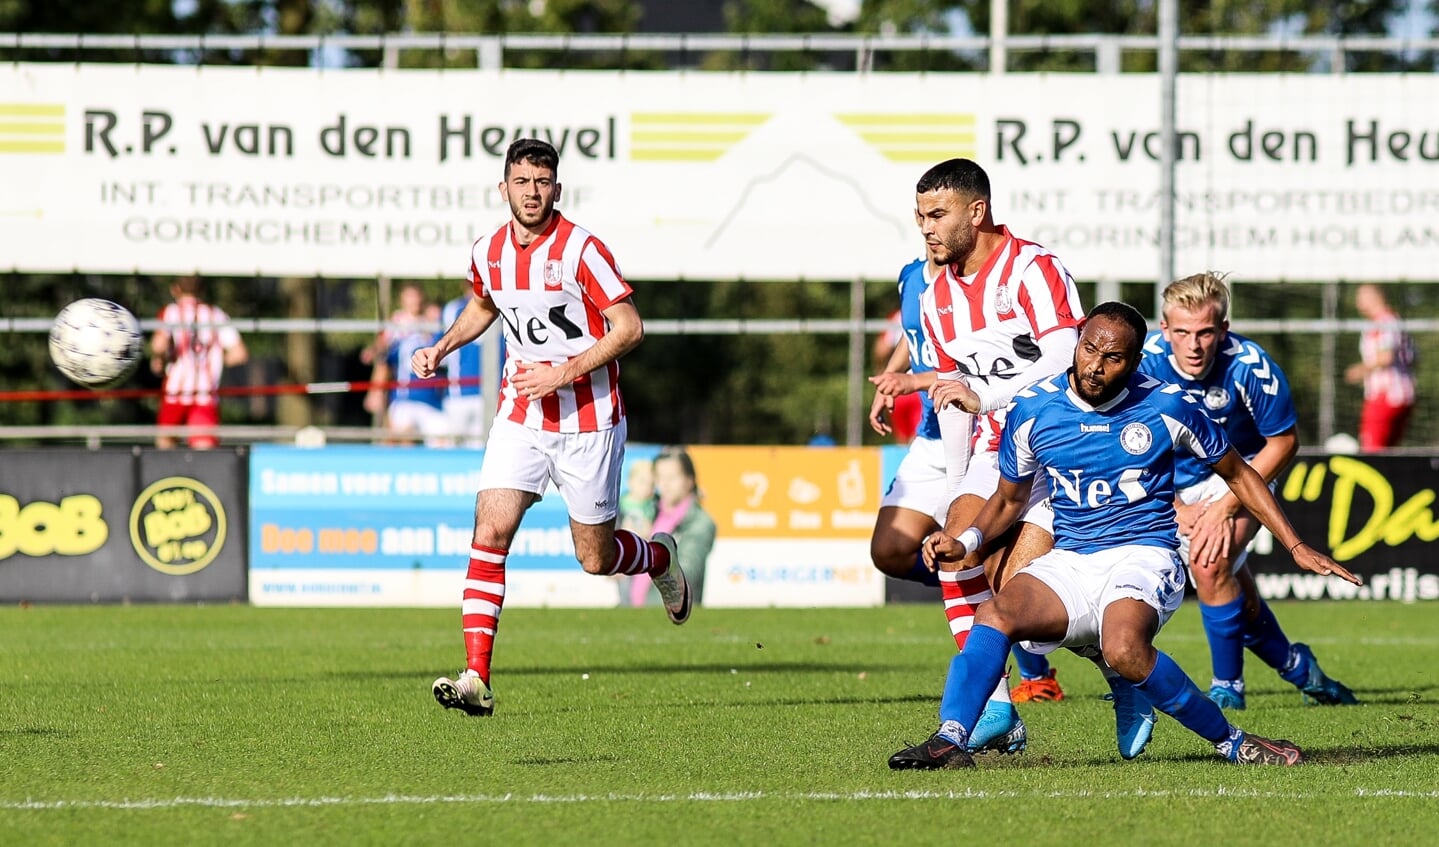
<point x="696" y="797"/>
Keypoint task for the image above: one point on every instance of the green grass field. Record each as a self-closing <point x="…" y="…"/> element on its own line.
<point x="170" y="725"/>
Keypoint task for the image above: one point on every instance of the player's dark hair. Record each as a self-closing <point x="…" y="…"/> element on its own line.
<point x="1124" y="313"/>
<point x="539" y="153"/>
<point x="961" y="176"/>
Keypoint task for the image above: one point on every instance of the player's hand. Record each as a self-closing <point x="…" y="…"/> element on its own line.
<point x="1309" y="559"/>
<point x="880" y="411"/>
<point x="940" y="547"/>
<point x="425" y="362"/>
<point x="893" y="384"/>
<point x="1211" y="538"/>
<point x="946" y="392"/>
<point x="1187" y="515"/>
<point x="538" y="380"/>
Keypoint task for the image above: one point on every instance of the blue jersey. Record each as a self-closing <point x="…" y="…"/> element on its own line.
<point x="1110" y="468"/>
<point x="913" y="281"/>
<point x="464" y="363"/>
<point x="1244" y="392"/>
<point x="402" y="347"/>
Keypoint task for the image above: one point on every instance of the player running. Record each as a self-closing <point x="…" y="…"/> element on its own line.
<point x="568" y="318"/>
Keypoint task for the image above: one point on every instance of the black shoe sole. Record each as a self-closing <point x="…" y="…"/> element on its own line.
<point x="447" y="696"/>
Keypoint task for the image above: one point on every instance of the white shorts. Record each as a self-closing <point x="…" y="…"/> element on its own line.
<point x="920" y="484"/>
<point x="1088" y="582"/>
<point x="982" y="480"/>
<point x="465" y="419"/>
<point x="1208" y="490"/>
<point x="584" y="466"/>
<point x="414" y="416"/>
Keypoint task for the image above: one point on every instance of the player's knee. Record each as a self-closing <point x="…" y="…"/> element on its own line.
<point x="890" y="558"/>
<point x="994" y="615"/>
<point x="1129" y="653"/>
<point x="594" y="563"/>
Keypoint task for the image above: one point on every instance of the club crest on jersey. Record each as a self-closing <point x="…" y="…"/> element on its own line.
<point x="554" y="275"/>
<point x="1003" y="304"/>
<point x="1216" y="398"/>
<point x="1135" y="439"/>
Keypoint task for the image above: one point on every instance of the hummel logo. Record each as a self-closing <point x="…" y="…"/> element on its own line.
<point x="1094" y="427"/>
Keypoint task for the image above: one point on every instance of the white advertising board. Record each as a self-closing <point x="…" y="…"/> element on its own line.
<point x="113" y="168"/>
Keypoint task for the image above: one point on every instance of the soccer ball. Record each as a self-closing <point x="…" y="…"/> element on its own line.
<point x="95" y="342"/>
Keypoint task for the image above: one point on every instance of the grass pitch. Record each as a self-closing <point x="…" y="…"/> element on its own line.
<point x="182" y="725"/>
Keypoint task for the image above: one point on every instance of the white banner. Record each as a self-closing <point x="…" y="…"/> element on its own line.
<point x="112" y="168"/>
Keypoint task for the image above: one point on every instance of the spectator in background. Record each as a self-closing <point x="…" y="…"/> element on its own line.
<point x="407" y="318"/>
<point x="1386" y="370"/>
<point x="191" y="350"/>
<point x="637" y="503"/>
<point x="410" y="410"/>
<point x="678" y="512"/>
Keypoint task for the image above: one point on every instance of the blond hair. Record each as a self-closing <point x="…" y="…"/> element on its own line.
<point x="1193" y="293"/>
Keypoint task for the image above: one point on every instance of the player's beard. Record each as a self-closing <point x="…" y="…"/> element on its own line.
<point x="957" y="249"/>
<point x="531" y="219"/>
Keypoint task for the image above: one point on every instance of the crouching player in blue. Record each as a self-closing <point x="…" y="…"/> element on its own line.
<point x="1247" y="394"/>
<point x="1107" y="439"/>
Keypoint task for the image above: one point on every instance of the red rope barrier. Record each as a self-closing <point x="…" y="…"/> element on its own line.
<point x="230" y="390"/>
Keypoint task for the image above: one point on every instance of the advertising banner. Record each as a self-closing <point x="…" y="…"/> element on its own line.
<point x="378" y="526"/>
<point x="1375" y="515"/>
<point x="353" y="526"/>
<point x="82" y="526"/>
<point x="274" y="171"/>
<point x="793" y="525"/>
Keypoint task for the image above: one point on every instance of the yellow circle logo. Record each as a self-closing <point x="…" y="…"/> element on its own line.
<point x="177" y="525"/>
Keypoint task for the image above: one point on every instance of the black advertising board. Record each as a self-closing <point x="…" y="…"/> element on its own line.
<point x="113" y="525"/>
<point x="1376" y="515"/>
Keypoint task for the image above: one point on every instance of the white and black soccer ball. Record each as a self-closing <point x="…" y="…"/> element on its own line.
<point x="95" y="342"/>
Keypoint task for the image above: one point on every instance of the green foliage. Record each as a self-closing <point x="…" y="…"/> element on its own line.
<point x="231" y="724"/>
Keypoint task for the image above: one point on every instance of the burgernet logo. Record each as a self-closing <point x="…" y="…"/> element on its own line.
<point x="177" y="525"/>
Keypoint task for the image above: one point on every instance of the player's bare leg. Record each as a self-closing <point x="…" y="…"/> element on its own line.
<point x="604" y="551"/>
<point x="894" y="545"/>
<point x="498" y="512"/>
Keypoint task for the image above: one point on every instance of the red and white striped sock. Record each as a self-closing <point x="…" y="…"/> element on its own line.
<point x="480" y="610"/>
<point x="962" y="592"/>
<point x="634" y="555"/>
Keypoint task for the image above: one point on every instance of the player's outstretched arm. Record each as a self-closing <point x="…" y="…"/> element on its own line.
<point x="1211" y="528"/>
<point x="1255" y="496"/>
<point x="469" y="324"/>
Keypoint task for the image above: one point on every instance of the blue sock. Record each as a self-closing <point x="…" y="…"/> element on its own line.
<point x="972" y="675"/>
<point x="1031" y="665"/>
<point x="1224" y="626"/>
<point x="1176" y="695"/>
<point x="1266" y="639"/>
<point x="921" y="574"/>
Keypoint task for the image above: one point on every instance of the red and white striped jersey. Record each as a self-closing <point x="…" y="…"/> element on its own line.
<point x="197" y="351"/>
<point x="1393" y="384"/>
<point x="552" y="294"/>
<point x="986" y="328"/>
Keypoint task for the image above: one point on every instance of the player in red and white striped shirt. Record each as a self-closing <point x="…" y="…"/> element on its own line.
<point x="191" y="349"/>
<point x="1002" y="316"/>
<point x="568" y="318"/>
<point x="1387" y="371"/>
